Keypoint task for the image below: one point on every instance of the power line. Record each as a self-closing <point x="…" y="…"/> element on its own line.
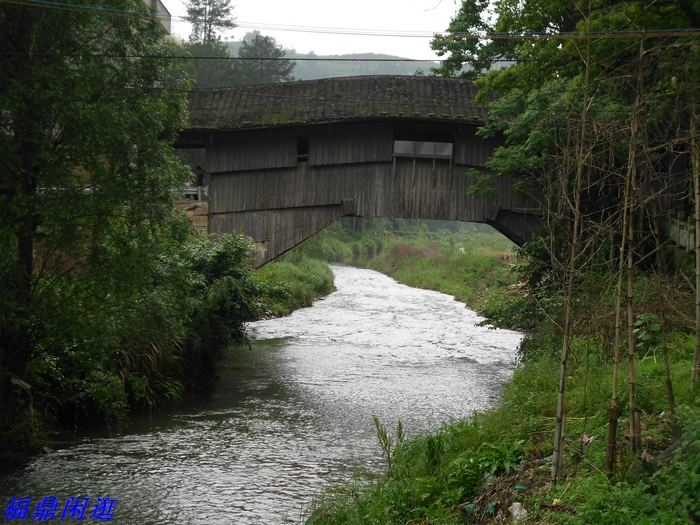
<point x="78" y="7"/>
<point x="263" y="59"/>
<point x="628" y="33"/>
<point x="188" y="57"/>
<point x="243" y="59"/>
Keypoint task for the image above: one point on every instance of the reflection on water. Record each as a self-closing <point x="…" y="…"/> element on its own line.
<point x="293" y="415"/>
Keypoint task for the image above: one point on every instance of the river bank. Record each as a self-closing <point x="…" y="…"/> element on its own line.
<point x="476" y="469"/>
<point x="293" y="414"/>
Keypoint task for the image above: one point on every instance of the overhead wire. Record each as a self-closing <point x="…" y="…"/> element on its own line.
<point x="263" y="59"/>
<point x="627" y="33"/>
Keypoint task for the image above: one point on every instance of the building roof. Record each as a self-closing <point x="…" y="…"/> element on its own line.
<point x="334" y="100"/>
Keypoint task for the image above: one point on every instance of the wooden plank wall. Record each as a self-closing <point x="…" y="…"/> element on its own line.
<point x="260" y="187"/>
<point x="303" y="185"/>
<point x="350" y="144"/>
<point x="256" y="150"/>
<point x="425" y="189"/>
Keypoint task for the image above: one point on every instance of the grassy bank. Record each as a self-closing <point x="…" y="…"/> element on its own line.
<point x="473" y="471"/>
<point x="471" y="262"/>
<point x="293" y="283"/>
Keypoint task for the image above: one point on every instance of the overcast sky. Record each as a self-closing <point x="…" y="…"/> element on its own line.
<point x="405" y="17"/>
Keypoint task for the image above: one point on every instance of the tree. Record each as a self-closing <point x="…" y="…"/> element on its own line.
<point x="87" y="119"/>
<point x="474" y="41"/>
<point x="209" y="19"/>
<point x="261" y="61"/>
<point x="461" y="44"/>
<point x="632" y="159"/>
<point x="210" y="65"/>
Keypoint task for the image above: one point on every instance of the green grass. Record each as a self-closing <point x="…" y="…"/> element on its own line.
<point x="471" y="262"/>
<point x="293" y="284"/>
<point x="471" y="471"/>
<point x="442" y="478"/>
<point x="467" y="472"/>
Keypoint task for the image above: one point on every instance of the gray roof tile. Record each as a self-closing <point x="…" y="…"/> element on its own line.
<point x="333" y="100"/>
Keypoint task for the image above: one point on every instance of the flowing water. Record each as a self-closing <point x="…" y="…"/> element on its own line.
<point x="292" y="415"/>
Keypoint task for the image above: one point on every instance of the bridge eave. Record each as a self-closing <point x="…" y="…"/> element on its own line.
<point x="194" y="131"/>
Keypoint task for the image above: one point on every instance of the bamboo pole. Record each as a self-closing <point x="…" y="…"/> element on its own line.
<point x="571" y="271"/>
<point x="631" y="339"/>
<point x="695" y="161"/>
<point x="614" y="407"/>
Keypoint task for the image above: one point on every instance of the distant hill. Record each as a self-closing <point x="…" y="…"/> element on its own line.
<point x="349" y="65"/>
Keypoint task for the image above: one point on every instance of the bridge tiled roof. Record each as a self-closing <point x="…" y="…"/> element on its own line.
<point x="333" y="100"/>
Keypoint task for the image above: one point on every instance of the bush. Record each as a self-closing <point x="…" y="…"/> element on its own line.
<point x="147" y="319"/>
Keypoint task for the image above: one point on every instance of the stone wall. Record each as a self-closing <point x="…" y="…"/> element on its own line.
<point x="197" y="212"/>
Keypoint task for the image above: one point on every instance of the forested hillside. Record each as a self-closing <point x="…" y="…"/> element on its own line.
<point x="312" y="66"/>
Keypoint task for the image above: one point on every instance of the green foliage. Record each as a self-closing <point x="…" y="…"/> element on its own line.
<point x="428" y="479"/>
<point x="669" y="495"/>
<point x="210" y="65"/>
<point x="88" y="177"/>
<point x="677" y="483"/>
<point x="565" y="107"/>
<point x="261" y="61"/>
<point x="386" y="442"/>
<point x="501" y="458"/>
<point x="209" y="18"/>
<point x="225" y="296"/>
<point x="147" y="319"/>
<point x="480" y="183"/>
<point x="470" y="19"/>
<point x="436" y="478"/>
<point x="293" y="283"/>
<point x="647" y="331"/>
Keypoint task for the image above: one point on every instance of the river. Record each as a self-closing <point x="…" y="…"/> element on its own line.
<point x="292" y="415"/>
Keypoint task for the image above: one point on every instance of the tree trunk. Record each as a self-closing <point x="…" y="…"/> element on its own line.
<point x="631" y="340"/>
<point x="20" y="217"/>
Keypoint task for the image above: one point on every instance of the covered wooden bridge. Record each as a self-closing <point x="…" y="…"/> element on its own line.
<point x="286" y="160"/>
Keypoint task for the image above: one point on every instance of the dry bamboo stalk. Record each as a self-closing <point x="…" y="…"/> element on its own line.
<point x="631" y="175"/>
<point x="695" y="157"/>
<point x="568" y="312"/>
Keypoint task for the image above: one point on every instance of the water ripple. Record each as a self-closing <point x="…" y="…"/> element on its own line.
<point x="294" y="415"/>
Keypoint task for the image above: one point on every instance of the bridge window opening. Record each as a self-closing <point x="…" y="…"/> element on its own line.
<point x="423" y="149"/>
<point x="302" y="149"/>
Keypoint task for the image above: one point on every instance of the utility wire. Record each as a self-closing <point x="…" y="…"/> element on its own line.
<point x="630" y="33"/>
<point x="96" y="9"/>
<point x="244" y="59"/>
<point x="263" y="59"/>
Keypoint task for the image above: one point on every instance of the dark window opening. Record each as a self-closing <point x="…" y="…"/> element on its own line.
<point x="423" y="149"/>
<point x="302" y="149"/>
